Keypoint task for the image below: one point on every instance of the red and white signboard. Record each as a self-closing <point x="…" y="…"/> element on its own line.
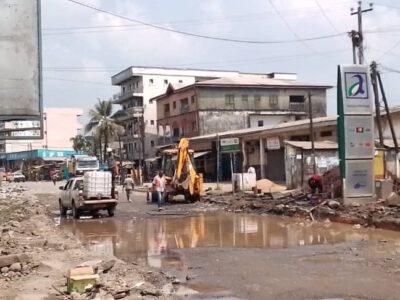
<point x="273" y="143"/>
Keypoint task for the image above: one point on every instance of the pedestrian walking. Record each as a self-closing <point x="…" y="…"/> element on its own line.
<point x="128" y="186"/>
<point x="159" y="186"/>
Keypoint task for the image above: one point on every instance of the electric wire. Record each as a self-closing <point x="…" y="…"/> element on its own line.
<point x="289" y="26"/>
<point x="246" y="41"/>
<point x="326" y="16"/>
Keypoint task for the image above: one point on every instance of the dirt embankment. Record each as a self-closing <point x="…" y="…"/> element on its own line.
<point x="296" y="204"/>
<point x="35" y="255"/>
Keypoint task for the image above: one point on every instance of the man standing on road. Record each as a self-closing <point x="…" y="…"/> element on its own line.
<point x="128" y="186"/>
<point x="159" y="186"/>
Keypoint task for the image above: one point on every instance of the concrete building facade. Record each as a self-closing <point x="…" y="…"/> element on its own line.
<point x="60" y="124"/>
<point x="216" y="105"/>
<point x="138" y="114"/>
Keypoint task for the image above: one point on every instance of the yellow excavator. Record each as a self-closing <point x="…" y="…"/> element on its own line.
<point x="182" y="178"/>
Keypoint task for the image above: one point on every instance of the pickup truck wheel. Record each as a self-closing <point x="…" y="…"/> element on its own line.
<point x="111" y="211"/>
<point x="75" y="211"/>
<point x="63" y="210"/>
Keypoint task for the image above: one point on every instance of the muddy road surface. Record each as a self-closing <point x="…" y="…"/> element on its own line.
<point x="197" y="251"/>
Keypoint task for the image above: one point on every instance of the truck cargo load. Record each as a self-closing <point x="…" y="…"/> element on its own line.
<point x="97" y="184"/>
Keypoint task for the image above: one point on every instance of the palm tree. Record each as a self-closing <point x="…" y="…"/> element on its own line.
<point x="78" y="142"/>
<point x="103" y="124"/>
<point x="81" y="143"/>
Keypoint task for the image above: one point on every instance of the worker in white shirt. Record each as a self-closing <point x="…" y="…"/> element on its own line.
<point x="159" y="186"/>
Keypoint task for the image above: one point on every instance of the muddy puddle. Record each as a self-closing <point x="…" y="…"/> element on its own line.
<point x="151" y="241"/>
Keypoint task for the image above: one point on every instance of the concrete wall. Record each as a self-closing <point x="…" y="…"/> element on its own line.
<point x="220" y="121"/>
<point x="269" y="120"/>
<point x="215" y="98"/>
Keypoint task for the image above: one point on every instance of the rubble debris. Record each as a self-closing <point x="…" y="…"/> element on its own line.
<point x="393" y="199"/>
<point x="268" y="186"/>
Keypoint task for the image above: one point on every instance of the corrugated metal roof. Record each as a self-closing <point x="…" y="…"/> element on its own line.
<point x="317" y="122"/>
<point x="388" y="142"/>
<point x="306" y="145"/>
<point x="257" y="81"/>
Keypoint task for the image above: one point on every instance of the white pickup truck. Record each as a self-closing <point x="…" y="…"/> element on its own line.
<point x="72" y="197"/>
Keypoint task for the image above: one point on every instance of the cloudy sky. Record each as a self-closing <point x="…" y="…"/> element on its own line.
<point x="83" y="47"/>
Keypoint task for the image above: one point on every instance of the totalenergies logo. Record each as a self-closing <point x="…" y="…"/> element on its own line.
<point x="356" y="85"/>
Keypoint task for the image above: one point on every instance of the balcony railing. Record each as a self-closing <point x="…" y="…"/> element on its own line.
<point x="295" y="106"/>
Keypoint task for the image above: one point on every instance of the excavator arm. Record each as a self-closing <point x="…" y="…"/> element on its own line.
<point x="185" y="165"/>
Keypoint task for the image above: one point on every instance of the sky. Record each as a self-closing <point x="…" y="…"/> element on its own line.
<point x="82" y="47"/>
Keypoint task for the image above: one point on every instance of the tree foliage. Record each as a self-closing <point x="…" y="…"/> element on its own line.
<point x="102" y="124"/>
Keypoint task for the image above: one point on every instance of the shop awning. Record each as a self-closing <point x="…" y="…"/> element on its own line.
<point x="200" y="154"/>
<point x="58" y="159"/>
<point x="152" y="159"/>
<point x="195" y="155"/>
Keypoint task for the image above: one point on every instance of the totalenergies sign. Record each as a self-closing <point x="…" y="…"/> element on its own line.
<point x="356" y="90"/>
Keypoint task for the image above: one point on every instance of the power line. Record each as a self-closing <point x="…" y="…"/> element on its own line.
<point x="288" y="25"/>
<point x="326" y="16"/>
<point x="205" y="36"/>
<point x="77" y="81"/>
<point x="269" y="59"/>
<point x="389" y="50"/>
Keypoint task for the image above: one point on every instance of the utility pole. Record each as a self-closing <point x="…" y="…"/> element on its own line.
<point x="374" y="80"/>
<point x="359" y="38"/>
<point x="388" y="115"/>
<point x="312" y="134"/>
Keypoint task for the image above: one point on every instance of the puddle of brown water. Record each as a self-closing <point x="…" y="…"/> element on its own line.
<point x="149" y="241"/>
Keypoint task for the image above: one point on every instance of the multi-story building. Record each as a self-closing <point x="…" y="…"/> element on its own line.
<point x="59" y="126"/>
<point x="137" y="114"/>
<point x="240" y="102"/>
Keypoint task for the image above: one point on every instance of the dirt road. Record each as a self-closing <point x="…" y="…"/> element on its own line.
<point x="195" y="251"/>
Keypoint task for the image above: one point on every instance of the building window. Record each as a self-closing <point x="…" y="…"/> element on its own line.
<point x="123" y="89"/>
<point x="273" y="100"/>
<point x="151" y="122"/>
<point x="326" y="133"/>
<point x="245" y="98"/>
<point x="194" y="126"/>
<point x="166" y="109"/>
<point x="165" y="81"/>
<point x="152" y="144"/>
<point x="296" y="102"/>
<point x="151" y="81"/>
<point x="230" y="101"/>
<point x="193" y="99"/>
<point x="135" y="145"/>
<point x="184" y="105"/>
<point x="296" y="99"/>
<point x="260" y="123"/>
<point x="257" y="98"/>
<point x="174" y="105"/>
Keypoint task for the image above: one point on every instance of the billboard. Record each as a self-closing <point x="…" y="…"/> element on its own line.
<point x="356" y="90"/>
<point x="20" y="60"/>
<point x="355" y="131"/>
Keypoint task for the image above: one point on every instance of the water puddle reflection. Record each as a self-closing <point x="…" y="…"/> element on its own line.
<point x="150" y="240"/>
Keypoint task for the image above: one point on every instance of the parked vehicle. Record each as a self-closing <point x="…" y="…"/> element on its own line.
<point x="79" y="164"/>
<point x="17" y="177"/>
<point x="89" y="193"/>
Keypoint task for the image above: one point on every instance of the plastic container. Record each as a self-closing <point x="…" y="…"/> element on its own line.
<point x="97" y="184"/>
